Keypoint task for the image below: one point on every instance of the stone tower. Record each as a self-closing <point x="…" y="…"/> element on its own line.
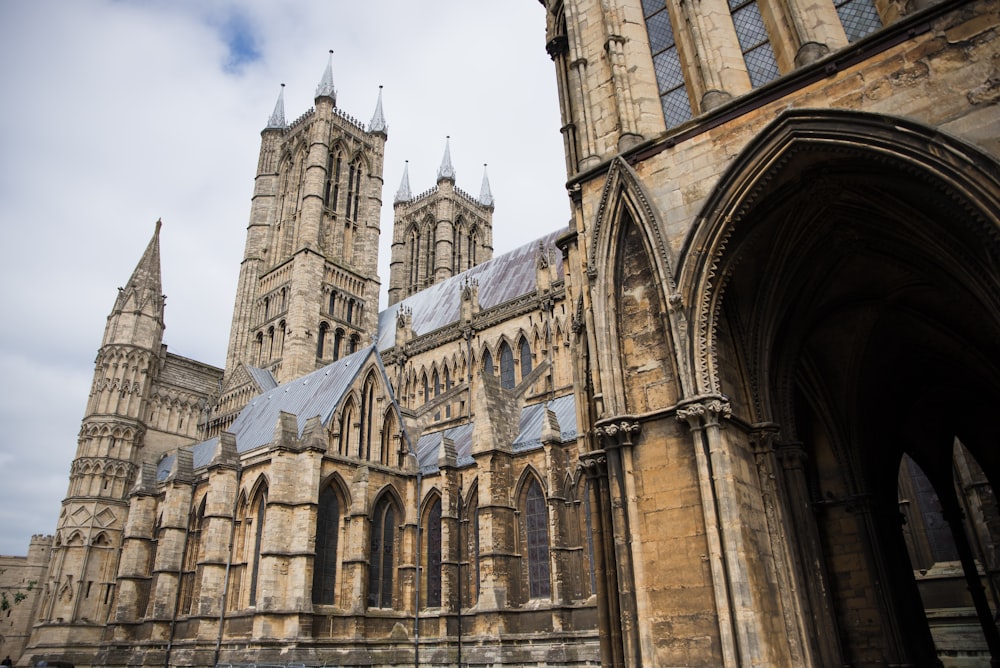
<point x="109" y="453"/>
<point x="439" y="233"/>
<point x="308" y="287"/>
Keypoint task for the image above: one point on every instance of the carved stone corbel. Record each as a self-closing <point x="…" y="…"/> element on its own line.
<point x="616" y="432"/>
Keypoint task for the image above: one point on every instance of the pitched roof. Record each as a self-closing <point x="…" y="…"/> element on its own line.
<point x="500" y="280"/>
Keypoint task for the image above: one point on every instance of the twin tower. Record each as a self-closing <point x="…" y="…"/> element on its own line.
<point x="308" y="287"/>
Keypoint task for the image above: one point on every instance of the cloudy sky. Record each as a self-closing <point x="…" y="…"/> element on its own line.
<point x="118" y="113"/>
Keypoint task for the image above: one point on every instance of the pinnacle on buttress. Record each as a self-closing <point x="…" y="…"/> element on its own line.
<point x="485" y="194"/>
<point x="378" y="123"/>
<point x="325" y="87"/>
<point x="277" y="119"/>
<point x="403" y="194"/>
<point x="446" y="171"/>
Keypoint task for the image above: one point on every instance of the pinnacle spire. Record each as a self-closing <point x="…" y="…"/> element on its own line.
<point x="325" y="87"/>
<point x="403" y="194"/>
<point x="446" y="171"/>
<point x="277" y="119"/>
<point x="378" y="123"/>
<point x="144" y="284"/>
<point x="485" y="194"/>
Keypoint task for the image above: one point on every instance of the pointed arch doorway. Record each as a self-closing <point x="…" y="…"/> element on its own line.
<point x="847" y="280"/>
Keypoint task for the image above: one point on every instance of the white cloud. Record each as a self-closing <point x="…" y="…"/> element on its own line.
<point x="119" y="113"/>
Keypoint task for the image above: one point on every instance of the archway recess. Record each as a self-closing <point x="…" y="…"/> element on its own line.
<point x="845" y="278"/>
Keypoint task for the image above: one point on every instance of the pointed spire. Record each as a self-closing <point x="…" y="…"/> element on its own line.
<point x="446" y="171"/>
<point x="325" y="87"/>
<point x="144" y="285"/>
<point x="277" y="119"/>
<point x="378" y="123"/>
<point x="403" y="194"/>
<point x="485" y="195"/>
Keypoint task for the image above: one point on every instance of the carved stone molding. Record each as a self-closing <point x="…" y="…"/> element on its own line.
<point x="616" y="432"/>
<point x="704" y="412"/>
<point x="792" y="455"/>
<point x="594" y="464"/>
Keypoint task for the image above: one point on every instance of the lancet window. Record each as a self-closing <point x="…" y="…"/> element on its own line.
<point x="666" y="63"/>
<point x="381" y="563"/>
<point x="327" y="534"/>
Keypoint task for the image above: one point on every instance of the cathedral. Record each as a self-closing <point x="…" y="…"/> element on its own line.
<point x="736" y="411"/>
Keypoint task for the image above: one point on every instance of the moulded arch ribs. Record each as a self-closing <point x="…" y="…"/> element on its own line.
<point x="958" y="171"/>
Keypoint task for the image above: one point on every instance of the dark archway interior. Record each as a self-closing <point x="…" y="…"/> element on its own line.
<point x="861" y="302"/>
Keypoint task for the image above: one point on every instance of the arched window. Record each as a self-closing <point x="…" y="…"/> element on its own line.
<point x="190" y="581"/>
<point x="470" y="549"/>
<point x="506" y="367"/>
<point x="346" y="426"/>
<point x="338" y="338"/>
<point x="859" y="18"/>
<point x="350" y="309"/>
<point x="381" y="558"/>
<point x="327" y="533"/>
<point x="333" y="302"/>
<point x="432" y="557"/>
<point x="437" y="392"/>
<point x="255" y="537"/>
<point x="427" y="389"/>
<point x="333" y="182"/>
<point x="666" y="63"/>
<point x="472" y="248"/>
<point x="537" y="533"/>
<point x="447" y="386"/>
<point x="367" y="411"/>
<point x="488" y="363"/>
<point x="755" y="43"/>
<point x="353" y="344"/>
<point x="321" y="340"/>
<point x="525" y="354"/>
<point x="414" y="260"/>
<point x="390" y="437"/>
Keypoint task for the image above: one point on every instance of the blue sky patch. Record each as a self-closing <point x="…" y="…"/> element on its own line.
<point x="238" y="34"/>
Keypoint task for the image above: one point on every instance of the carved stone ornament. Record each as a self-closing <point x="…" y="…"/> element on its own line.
<point x="594" y="464"/>
<point x="705" y="412"/>
<point x="617" y="432"/>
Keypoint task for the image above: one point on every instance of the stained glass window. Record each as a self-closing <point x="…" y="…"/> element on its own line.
<point x="754" y="41"/>
<point x="536" y="523"/>
<point x="433" y="534"/>
<point x="380" y="566"/>
<point x="506" y="366"/>
<point x="525" y="359"/>
<point x="327" y="532"/>
<point x="858" y="17"/>
<point x="666" y="63"/>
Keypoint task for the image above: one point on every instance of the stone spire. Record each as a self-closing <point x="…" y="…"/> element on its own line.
<point x="277" y="119"/>
<point x="485" y="194"/>
<point x="403" y="194"/>
<point x="446" y="171"/>
<point x="325" y="87"/>
<point x="143" y="292"/>
<point x="378" y="123"/>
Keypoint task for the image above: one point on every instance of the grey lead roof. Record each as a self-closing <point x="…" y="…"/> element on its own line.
<point x="325" y="87"/>
<point x="403" y="194"/>
<point x="528" y="438"/>
<point x="446" y="171"/>
<point x="500" y="280"/>
<point x="316" y="394"/>
<point x="378" y="123"/>
<point x="277" y="119"/>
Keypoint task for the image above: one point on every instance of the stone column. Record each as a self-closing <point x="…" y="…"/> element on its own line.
<point x="817" y="27"/>
<point x="595" y="466"/>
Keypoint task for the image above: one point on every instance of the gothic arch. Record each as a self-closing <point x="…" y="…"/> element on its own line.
<point x="845" y="301"/>
<point x="626" y="239"/>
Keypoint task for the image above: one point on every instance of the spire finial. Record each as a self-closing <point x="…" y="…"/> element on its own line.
<point x="485" y="194"/>
<point x="403" y="194"/>
<point x="378" y="123"/>
<point x="277" y="119"/>
<point x="446" y="171"/>
<point x="325" y="87"/>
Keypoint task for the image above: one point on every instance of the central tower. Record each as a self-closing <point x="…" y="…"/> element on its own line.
<point x="308" y="287"/>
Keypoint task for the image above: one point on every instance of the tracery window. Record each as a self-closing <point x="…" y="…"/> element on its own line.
<point x="433" y="555"/>
<point x="506" y="367"/>
<point x="381" y="557"/>
<point x="327" y="533"/>
<point x="525" y="354"/>
<point x="537" y="530"/>
<point x="754" y="41"/>
<point x="666" y="63"/>
<point x="858" y="17"/>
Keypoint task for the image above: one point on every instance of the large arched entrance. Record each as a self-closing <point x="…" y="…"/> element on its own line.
<point x="849" y="291"/>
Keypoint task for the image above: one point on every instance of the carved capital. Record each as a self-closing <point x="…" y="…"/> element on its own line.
<point x="618" y="431"/>
<point x="792" y="455"/>
<point x="705" y="411"/>
<point x="764" y="438"/>
<point x="594" y="464"/>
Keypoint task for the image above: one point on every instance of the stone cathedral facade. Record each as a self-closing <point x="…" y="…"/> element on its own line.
<point x="738" y="412"/>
